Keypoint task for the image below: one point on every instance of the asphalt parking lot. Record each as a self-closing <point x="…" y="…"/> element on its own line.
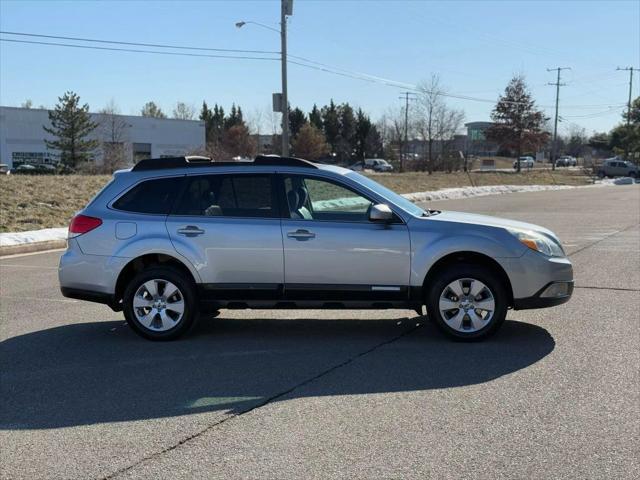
<point x="326" y="394"/>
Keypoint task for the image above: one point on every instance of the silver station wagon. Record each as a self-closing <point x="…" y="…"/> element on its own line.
<point x="172" y="238"/>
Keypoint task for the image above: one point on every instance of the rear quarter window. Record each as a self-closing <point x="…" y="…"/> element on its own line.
<point x="150" y="196"/>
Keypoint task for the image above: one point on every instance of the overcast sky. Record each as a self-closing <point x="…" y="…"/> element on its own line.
<point x="475" y="47"/>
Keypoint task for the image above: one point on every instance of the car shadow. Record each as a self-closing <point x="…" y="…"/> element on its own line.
<point x="88" y="373"/>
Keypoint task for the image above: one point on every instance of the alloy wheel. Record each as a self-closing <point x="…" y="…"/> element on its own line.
<point x="467" y="305"/>
<point x="158" y="305"/>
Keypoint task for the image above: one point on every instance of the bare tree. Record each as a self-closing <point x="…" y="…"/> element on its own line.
<point x="182" y="111"/>
<point x="430" y="107"/>
<point x="255" y="121"/>
<point x="391" y="128"/>
<point x="150" y="109"/>
<point x="448" y="122"/>
<point x="113" y="131"/>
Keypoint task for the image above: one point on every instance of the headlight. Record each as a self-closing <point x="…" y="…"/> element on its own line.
<point x="538" y="242"/>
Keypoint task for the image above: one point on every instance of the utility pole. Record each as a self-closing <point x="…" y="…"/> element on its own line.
<point x="286" y="8"/>
<point x="630" y="70"/>
<point x="406" y="96"/>
<point x="554" y="147"/>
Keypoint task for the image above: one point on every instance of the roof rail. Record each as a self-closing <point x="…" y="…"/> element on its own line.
<point x="198" y="161"/>
<point x="286" y="161"/>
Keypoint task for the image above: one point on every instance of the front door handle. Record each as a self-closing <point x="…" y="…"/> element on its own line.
<point x="190" y="231"/>
<point x="301" y="234"/>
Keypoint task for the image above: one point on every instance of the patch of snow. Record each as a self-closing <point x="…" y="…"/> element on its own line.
<point x="467" y="192"/>
<point x="32" y="236"/>
<point x="624" y="181"/>
<point x="617" y="181"/>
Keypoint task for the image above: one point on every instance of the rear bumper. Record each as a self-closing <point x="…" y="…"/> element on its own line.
<point x="539" y="300"/>
<point x="90" y="296"/>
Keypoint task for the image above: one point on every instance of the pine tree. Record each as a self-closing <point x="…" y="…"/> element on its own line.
<point x="346" y="137"/>
<point x="71" y="124"/>
<point x="518" y="124"/>
<point x="206" y="115"/>
<point x="217" y="124"/>
<point x="625" y="138"/>
<point x="368" y="142"/>
<point x="315" y="117"/>
<point x="234" y="118"/>
<point x="297" y="119"/>
<point x="331" y="125"/>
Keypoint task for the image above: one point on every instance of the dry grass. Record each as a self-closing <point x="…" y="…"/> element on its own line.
<point x="422" y="181"/>
<point x="31" y="202"/>
<point x="42" y="201"/>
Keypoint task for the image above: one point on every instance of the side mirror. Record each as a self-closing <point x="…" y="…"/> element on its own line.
<point x="380" y="213"/>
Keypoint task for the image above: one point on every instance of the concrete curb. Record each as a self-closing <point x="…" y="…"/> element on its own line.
<point x="32" y="247"/>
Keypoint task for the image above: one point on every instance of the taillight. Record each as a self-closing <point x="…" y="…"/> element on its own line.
<point x="82" y="224"/>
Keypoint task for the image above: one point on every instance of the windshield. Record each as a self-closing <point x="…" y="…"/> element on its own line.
<point x="390" y="195"/>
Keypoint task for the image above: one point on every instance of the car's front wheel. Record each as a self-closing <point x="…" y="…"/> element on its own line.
<point x="160" y="303"/>
<point x="468" y="302"/>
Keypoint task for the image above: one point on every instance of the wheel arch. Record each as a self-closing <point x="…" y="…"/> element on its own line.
<point x="143" y="262"/>
<point x="469" y="257"/>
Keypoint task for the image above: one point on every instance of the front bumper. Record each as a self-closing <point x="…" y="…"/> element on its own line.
<point x="545" y="297"/>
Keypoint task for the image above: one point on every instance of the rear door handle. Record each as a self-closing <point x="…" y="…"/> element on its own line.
<point x="190" y="231"/>
<point x="301" y="234"/>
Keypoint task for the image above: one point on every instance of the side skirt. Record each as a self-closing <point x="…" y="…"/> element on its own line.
<point x="306" y="296"/>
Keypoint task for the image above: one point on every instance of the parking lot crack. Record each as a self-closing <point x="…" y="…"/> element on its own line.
<point x="581" y="249"/>
<point x="263" y="403"/>
<point x="617" y="289"/>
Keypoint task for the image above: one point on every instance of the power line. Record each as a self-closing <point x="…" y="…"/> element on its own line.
<point x="153" y="45"/>
<point x="133" y="50"/>
<point x="595" y="114"/>
<point x="303" y="62"/>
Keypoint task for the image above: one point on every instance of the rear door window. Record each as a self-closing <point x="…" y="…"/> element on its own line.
<point x="228" y="196"/>
<point x="150" y="196"/>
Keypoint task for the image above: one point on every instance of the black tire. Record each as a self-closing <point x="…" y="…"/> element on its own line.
<point x="633" y="174"/>
<point x="487" y="276"/>
<point x="186" y="289"/>
<point x="601" y="174"/>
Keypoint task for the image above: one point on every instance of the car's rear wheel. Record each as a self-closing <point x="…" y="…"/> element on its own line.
<point x="160" y="303"/>
<point x="468" y="302"/>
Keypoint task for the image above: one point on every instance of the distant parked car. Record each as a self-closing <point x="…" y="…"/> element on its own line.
<point x="4" y="169"/>
<point x="375" y="164"/>
<point x="566" y="161"/>
<point x="24" y="168"/>
<point x="45" y="169"/>
<point x="525" y="162"/>
<point x="615" y="167"/>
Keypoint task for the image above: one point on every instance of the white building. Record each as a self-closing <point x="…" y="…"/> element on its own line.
<point x="22" y="136"/>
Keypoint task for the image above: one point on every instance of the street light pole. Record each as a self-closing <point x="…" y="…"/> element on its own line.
<point x="280" y="101"/>
<point x="285" y="7"/>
